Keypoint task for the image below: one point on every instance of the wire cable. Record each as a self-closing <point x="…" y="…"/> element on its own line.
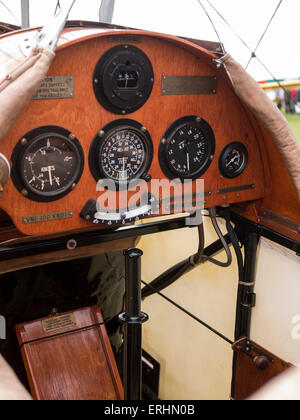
<point x="213" y="25"/>
<point x="264" y="33"/>
<point x="250" y="49"/>
<point x="189" y="313"/>
<point x="10" y="12"/>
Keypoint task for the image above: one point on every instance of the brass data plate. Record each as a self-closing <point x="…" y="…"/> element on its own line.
<point x="189" y="85"/>
<point x="57" y="323"/>
<point x="56" y="87"/>
<point x="47" y="217"/>
<point x="236" y="189"/>
<point x="124" y="39"/>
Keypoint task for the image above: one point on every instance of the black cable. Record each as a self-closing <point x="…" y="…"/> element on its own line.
<point x="212" y="214"/>
<point x="189" y="314"/>
<point x="240" y="262"/>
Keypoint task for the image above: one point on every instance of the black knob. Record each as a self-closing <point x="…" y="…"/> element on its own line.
<point x="261" y="362"/>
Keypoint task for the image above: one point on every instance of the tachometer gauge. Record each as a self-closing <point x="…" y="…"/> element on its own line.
<point x="122" y="151"/>
<point x="187" y="148"/>
<point x="47" y="164"/>
<point x="233" y="160"/>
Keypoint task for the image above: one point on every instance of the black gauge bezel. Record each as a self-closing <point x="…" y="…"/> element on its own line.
<point x="222" y="160"/>
<point x="106" y="132"/>
<point x="20" y="151"/>
<point x="106" y="91"/>
<point x="167" y="138"/>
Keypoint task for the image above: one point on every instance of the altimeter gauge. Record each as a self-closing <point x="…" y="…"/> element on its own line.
<point x="47" y="164"/>
<point x="187" y="148"/>
<point x="233" y="160"/>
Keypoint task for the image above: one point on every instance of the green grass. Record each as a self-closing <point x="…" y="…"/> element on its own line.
<point x="294" y="121"/>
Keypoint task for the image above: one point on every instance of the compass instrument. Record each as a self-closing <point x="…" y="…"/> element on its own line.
<point x="187" y="148"/>
<point x="123" y="79"/>
<point x="47" y="164"/>
<point x="122" y="151"/>
<point x="233" y="160"/>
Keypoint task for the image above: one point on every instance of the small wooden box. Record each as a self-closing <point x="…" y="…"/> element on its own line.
<point x="75" y="362"/>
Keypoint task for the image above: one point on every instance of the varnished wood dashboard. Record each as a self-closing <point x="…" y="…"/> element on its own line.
<point x="82" y="115"/>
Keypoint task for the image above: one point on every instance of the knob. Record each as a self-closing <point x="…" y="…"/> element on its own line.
<point x="261" y="362"/>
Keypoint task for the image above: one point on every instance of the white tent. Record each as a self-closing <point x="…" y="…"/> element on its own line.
<point x="278" y="50"/>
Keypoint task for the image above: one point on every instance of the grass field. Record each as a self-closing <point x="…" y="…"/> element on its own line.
<point x="294" y="121"/>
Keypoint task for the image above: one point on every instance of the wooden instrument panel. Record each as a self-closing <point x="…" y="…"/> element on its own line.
<point x="84" y="116"/>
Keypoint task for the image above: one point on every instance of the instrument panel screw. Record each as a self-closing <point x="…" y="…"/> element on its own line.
<point x="72" y="136"/>
<point x="198" y="119"/>
<point x="71" y="244"/>
<point x="126" y="46"/>
<point x="96" y="81"/>
<point x="164" y="141"/>
<point x="101" y="133"/>
<point x="24" y="192"/>
<point x="123" y="112"/>
<point x="144" y="129"/>
<point x="24" y="141"/>
<point x="74" y="186"/>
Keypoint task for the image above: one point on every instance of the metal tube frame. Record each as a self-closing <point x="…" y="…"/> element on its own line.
<point x="133" y="319"/>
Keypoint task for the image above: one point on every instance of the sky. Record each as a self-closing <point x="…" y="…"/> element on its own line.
<point x="279" y="50"/>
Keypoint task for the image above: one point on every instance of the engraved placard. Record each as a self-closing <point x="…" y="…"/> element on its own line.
<point x="39" y="218"/>
<point x="56" y="87"/>
<point x="189" y="85"/>
<point x="57" y="323"/>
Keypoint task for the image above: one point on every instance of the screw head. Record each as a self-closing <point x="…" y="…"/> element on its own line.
<point x="96" y="81"/>
<point x="164" y="141"/>
<point x="74" y="186"/>
<point x="144" y="129"/>
<point x="101" y="133"/>
<point x="24" y="141"/>
<point x="24" y="192"/>
<point x="72" y="136"/>
<point x="198" y="119"/>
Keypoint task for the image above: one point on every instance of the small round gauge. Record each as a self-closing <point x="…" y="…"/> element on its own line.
<point x="122" y="152"/>
<point x="233" y="160"/>
<point x="47" y="164"/>
<point x="187" y="148"/>
<point x="123" y="79"/>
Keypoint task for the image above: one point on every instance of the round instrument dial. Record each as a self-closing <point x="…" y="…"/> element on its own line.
<point x="233" y="160"/>
<point x="122" y="155"/>
<point x="123" y="79"/>
<point x="48" y="163"/>
<point x="122" y="152"/>
<point x="187" y="148"/>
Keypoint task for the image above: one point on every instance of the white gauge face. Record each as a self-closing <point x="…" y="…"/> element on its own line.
<point x="122" y="155"/>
